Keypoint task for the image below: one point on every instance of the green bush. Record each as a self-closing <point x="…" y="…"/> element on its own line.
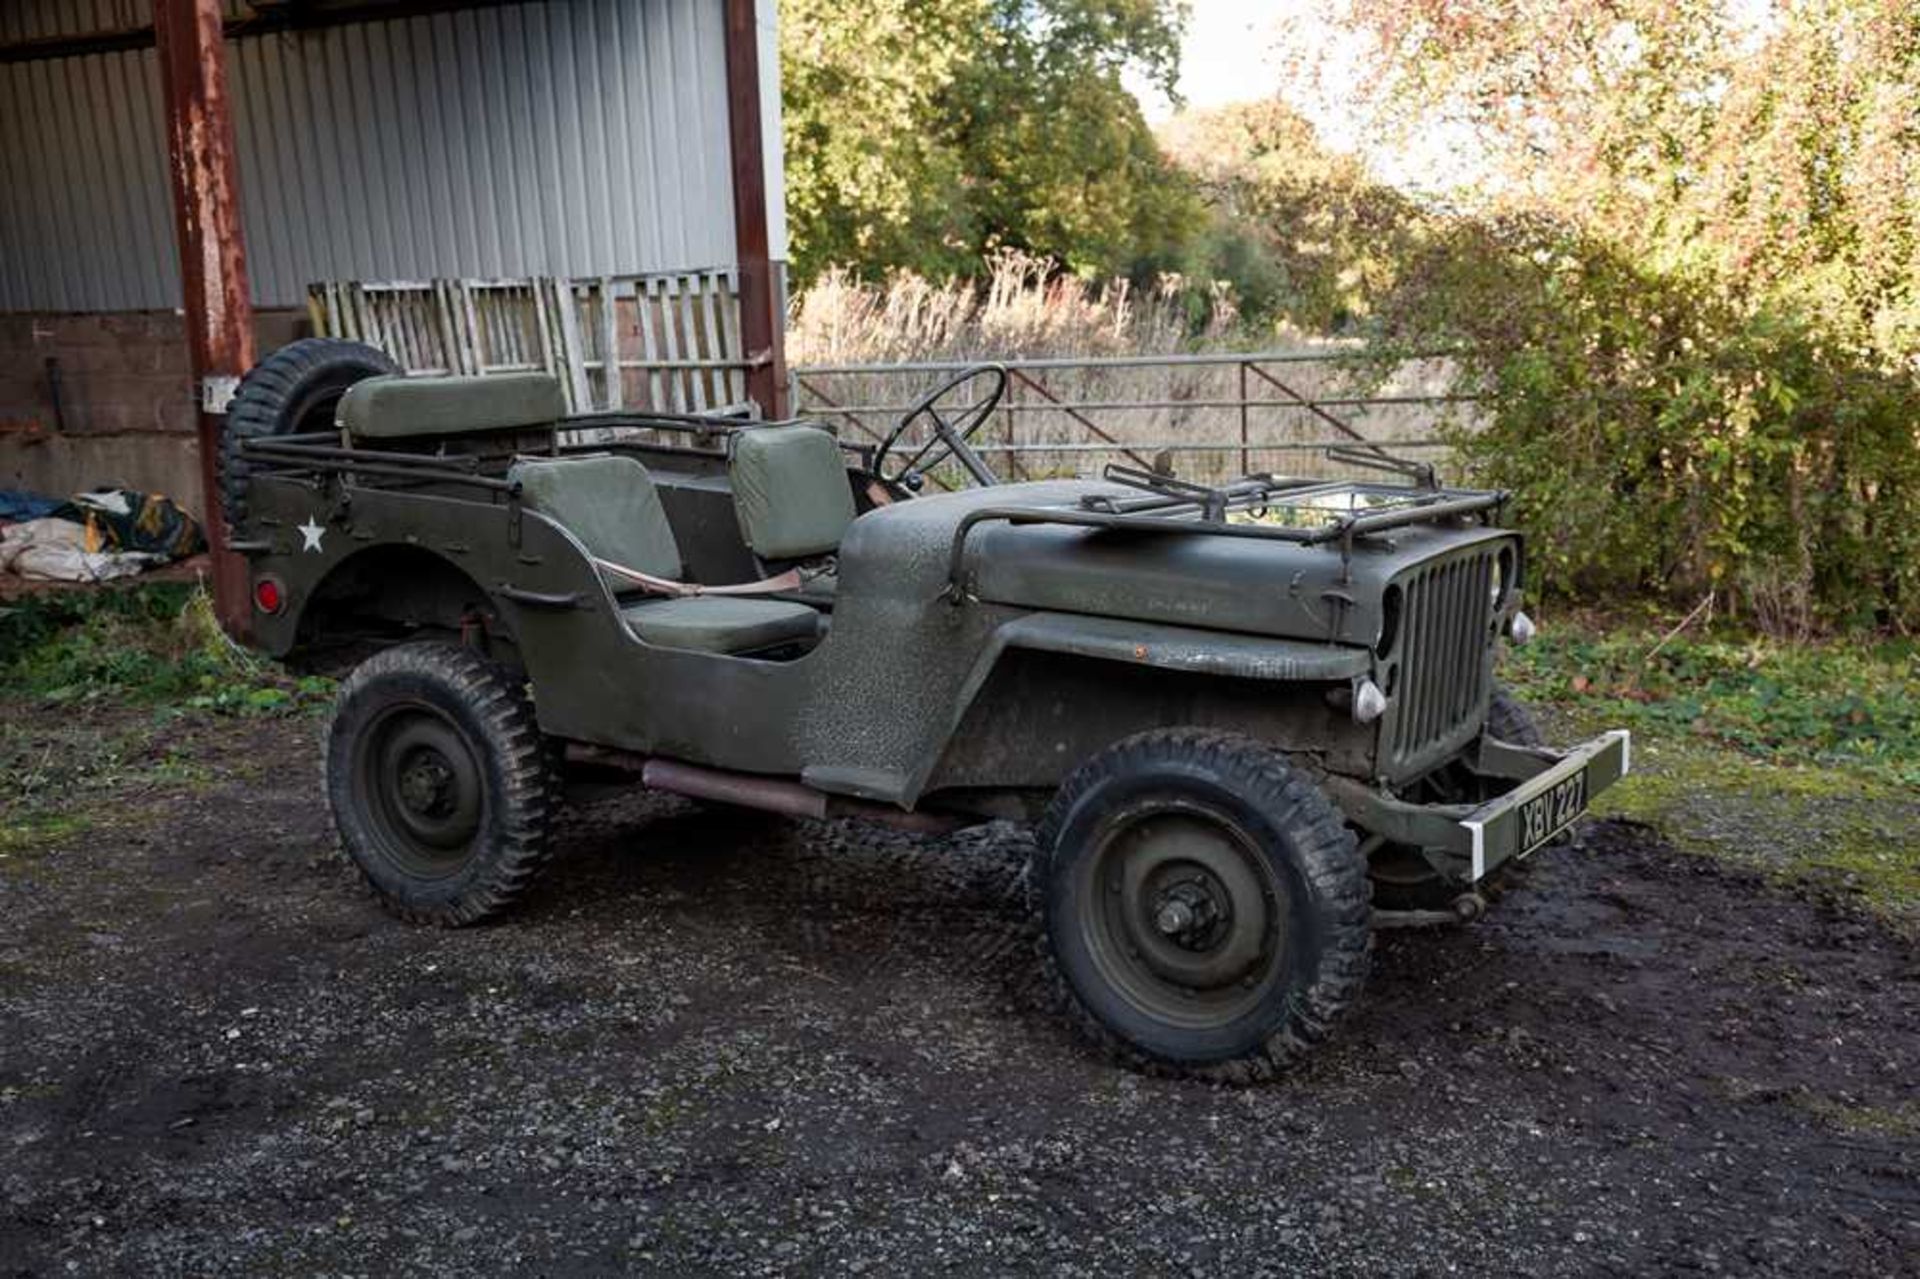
<point x="1666" y="436"/>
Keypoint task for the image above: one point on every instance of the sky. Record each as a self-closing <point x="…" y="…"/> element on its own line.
<point x="1228" y="56"/>
<point x="1232" y="54"/>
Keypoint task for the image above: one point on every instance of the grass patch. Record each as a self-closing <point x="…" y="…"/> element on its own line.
<point x="151" y="643"/>
<point x="23" y="833"/>
<point x="1853" y="705"/>
<point x="105" y="680"/>
<point x="1798" y="760"/>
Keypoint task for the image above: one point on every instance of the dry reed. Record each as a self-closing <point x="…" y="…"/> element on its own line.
<point x="1023" y="308"/>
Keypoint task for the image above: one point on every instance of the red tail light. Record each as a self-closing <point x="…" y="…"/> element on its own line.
<point x="267" y="596"/>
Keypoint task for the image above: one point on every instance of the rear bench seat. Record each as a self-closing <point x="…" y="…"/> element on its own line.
<point x="396" y="408"/>
<point x="610" y="504"/>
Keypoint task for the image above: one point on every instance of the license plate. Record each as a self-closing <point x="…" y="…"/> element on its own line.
<point x="1552" y="811"/>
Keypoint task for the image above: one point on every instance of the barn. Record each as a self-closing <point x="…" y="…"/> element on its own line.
<point x="587" y="186"/>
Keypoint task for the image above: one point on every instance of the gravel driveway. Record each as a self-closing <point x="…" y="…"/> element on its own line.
<point x="716" y="1043"/>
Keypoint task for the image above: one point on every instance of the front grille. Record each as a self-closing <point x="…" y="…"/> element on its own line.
<point x="1441" y="685"/>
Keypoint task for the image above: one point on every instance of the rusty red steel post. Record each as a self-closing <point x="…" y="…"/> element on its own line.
<point x="762" y="317"/>
<point x="213" y="255"/>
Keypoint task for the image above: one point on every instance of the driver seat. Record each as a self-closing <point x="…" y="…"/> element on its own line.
<point x="794" y="500"/>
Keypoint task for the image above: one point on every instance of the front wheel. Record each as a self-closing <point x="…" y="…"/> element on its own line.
<point x="1203" y="908"/>
<point x="441" y="785"/>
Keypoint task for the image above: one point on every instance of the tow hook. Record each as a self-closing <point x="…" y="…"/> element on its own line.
<point x="1464" y="909"/>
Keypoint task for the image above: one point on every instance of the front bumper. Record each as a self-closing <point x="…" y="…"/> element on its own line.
<point x="1546" y="803"/>
<point x="1551" y="789"/>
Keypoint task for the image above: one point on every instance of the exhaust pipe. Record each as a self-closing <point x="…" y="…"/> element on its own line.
<point x="749" y="790"/>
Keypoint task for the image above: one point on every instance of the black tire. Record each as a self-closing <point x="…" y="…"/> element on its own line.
<point x="295" y="389"/>
<point x="1509" y="720"/>
<point x="441" y="785"/>
<point x="1402" y="879"/>
<point x="1236" y="930"/>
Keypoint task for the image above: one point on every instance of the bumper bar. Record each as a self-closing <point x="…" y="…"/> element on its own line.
<point x="1479" y="838"/>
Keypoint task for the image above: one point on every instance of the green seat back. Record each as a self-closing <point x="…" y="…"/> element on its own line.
<point x="386" y="408"/>
<point x="790" y="491"/>
<point x="610" y="504"/>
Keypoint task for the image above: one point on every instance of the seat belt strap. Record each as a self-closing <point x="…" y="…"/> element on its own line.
<point x="785" y="582"/>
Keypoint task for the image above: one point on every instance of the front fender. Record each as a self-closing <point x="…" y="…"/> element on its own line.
<point x="1146" y="644"/>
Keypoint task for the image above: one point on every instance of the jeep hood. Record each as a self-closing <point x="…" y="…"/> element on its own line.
<point x="1246" y="585"/>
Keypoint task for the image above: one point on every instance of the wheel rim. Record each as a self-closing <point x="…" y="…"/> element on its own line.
<point x="1187" y="920"/>
<point x="419" y="780"/>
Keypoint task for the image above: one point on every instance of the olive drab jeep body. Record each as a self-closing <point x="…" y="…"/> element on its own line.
<point x="1252" y="721"/>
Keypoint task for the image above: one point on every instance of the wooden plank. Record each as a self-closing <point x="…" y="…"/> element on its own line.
<point x="730" y="326"/>
<point x="669" y="300"/>
<point x="696" y="382"/>
<point x="316" y="309"/>
<point x="716" y="381"/>
<point x="363" y="330"/>
<point x="649" y="344"/>
<point x="610" y="345"/>
<point x="541" y="328"/>
<point x="339" y="323"/>
<point x="475" y="338"/>
<point x="566" y="303"/>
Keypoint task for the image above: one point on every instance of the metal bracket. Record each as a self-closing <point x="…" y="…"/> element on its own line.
<point x="216" y="393"/>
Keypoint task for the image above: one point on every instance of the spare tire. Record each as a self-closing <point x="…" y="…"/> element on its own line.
<point x="293" y="390"/>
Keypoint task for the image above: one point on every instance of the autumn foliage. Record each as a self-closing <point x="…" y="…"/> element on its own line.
<point x="1685" y="279"/>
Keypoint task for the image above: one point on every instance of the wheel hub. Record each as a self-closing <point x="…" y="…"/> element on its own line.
<point x="1193" y="913"/>
<point x="426" y="784"/>
<point x="423" y="788"/>
<point x="1188" y="926"/>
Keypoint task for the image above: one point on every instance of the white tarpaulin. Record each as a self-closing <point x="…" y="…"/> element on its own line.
<point x="53" y="550"/>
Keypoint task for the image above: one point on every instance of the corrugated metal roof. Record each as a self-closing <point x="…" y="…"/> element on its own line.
<point x="49" y="19"/>
<point x="575" y="137"/>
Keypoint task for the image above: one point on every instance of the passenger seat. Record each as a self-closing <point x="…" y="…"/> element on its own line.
<point x="611" y="505"/>
<point x="792" y="498"/>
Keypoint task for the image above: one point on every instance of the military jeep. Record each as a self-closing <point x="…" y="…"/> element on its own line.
<point x="1250" y="722"/>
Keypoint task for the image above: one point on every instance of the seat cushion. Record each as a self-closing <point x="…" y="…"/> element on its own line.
<point x="386" y="408"/>
<point x="610" y="504"/>
<point x="721" y="623"/>
<point x="790" y="491"/>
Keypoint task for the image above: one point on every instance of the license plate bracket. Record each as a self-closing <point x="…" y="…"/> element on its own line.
<point x="1521" y="821"/>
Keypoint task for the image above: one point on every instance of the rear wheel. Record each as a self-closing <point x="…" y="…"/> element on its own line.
<point x="1203" y="910"/>
<point x="1403" y="879"/>
<point x="294" y="390"/>
<point x="441" y="785"/>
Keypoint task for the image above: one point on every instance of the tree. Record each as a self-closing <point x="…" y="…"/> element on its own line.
<point x="1694" y="308"/>
<point x="1306" y="235"/>
<point x="923" y="133"/>
<point x="1775" y="145"/>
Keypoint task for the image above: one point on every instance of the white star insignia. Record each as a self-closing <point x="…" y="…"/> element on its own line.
<point x="310" y="535"/>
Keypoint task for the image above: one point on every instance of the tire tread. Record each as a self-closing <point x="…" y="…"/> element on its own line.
<point x="529" y="798"/>
<point x="1328" y="857"/>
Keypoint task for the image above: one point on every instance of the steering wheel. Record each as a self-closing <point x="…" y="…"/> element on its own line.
<point x="950" y="436"/>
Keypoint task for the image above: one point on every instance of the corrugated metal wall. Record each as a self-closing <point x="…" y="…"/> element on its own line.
<point x="573" y="137"/>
